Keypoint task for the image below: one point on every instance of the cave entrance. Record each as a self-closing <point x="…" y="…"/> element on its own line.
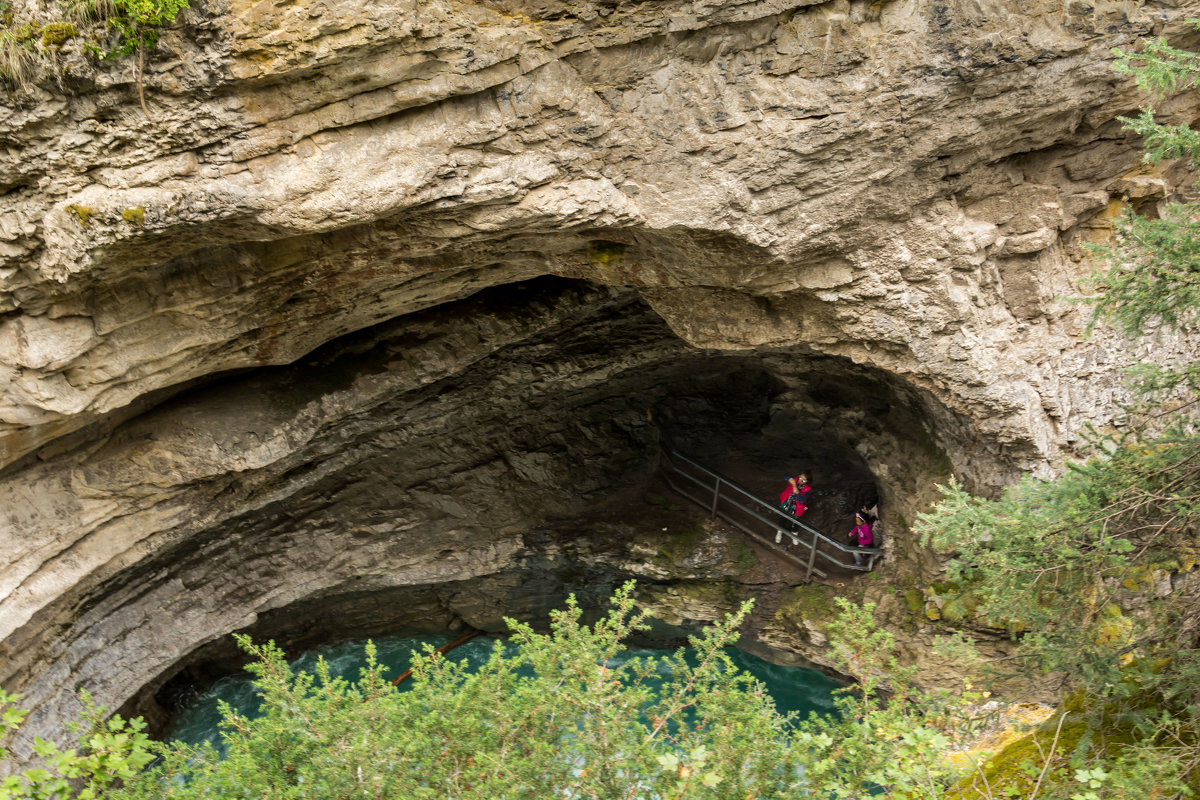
<point x="461" y="464"/>
<point x="759" y="419"/>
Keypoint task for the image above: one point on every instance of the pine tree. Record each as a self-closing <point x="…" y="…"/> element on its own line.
<point x="1067" y="566"/>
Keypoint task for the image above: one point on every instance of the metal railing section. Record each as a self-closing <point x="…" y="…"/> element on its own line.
<point x="760" y="520"/>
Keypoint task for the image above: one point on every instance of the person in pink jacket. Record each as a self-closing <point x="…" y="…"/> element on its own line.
<point x="794" y="500"/>
<point x="861" y="534"/>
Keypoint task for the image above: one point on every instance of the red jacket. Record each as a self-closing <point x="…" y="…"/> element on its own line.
<point x="801" y="499"/>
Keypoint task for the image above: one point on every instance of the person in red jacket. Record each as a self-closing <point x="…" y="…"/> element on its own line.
<point x="794" y="500"/>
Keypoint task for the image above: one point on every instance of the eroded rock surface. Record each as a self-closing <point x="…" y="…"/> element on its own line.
<point x="537" y="234"/>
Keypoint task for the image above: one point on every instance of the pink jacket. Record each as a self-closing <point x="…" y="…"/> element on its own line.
<point x="863" y="532"/>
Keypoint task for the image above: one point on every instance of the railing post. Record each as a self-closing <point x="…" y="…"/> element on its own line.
<point x="812" y="558"/>
<point x="712" y="513"/>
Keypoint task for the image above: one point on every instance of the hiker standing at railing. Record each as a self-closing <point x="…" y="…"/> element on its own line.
<point x="794" y="500"/>
<point x="861" y="534"/>
<point x="869" y="511"/>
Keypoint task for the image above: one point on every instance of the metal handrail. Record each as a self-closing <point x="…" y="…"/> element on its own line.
<point x="776" y="518"/>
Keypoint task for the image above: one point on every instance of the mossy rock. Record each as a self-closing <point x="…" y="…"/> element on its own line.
<point x="682" y="541"/>
<point x="932" y="611"/>
<point x="713" y="594"/>
<point x="687" y="602"/>
<point x="605" y="252"/>
<point x="134" y="216"/>
<point x="944" y="587"/>
<point x="1139" y="578"/>
<point x="939" y="463"/>
<point x="1014" y="771"/>
<point x="1074" y="702"/>
<point x="961" y="606"/>
<point x="662" y="501"/>
<point x="23" y="34"/>
<point x="915" y="599"/>
<point x="55" y="34"/>
<point x="685" y="539"/>
<point x="1113" y="628"/>
<point x="746" y="559"/>
<point x="812" y="601"/>
<point x="1172" y="565"/>
<point x="83" y="214"/>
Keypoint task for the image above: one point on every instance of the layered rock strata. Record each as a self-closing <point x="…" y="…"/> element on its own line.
<point x="853" y="217"/>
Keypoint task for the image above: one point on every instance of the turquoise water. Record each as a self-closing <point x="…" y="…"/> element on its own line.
<point x="792" y="688"/>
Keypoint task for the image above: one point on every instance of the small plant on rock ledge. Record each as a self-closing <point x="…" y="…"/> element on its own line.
<point x="138" y="24"/>
<point x="18" y="56"/>
<point x="28" y="45"/>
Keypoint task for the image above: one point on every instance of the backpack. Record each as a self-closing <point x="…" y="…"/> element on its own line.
<point x="797" y="498"/>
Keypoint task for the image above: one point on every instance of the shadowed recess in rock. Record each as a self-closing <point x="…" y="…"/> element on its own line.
<point x="392" y="481"/>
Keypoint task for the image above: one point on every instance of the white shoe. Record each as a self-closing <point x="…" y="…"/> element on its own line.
<point x="778" y="537"/>
<point x="795" y="541"/>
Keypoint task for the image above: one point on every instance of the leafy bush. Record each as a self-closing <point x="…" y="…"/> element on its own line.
<point x="562" y="715"/>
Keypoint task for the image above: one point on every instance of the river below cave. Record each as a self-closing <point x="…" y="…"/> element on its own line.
<point x="792" y="688"/>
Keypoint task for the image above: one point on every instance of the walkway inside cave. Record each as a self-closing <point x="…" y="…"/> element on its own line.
<point x="652" y="505"/>
<point x="761" y="465"/>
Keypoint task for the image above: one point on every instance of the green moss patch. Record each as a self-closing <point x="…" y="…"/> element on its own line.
<point x="22" y="34"/>
<point x="943" y="587"/>
<point x="1015" y="770"/>
<point x="55" y="34"/>
<point x="956" y="609"/>
<point x="915" y="599"/>
<point x="604" y="252"/>
<point x="746" y="559"/>
<point x="813" y="601"/>
<point x="939" y="463"/>
<point x="947" y="600"/>
<point x="83" y="214"/>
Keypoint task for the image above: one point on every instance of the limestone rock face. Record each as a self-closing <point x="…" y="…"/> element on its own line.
<point x="380" y="287"/>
